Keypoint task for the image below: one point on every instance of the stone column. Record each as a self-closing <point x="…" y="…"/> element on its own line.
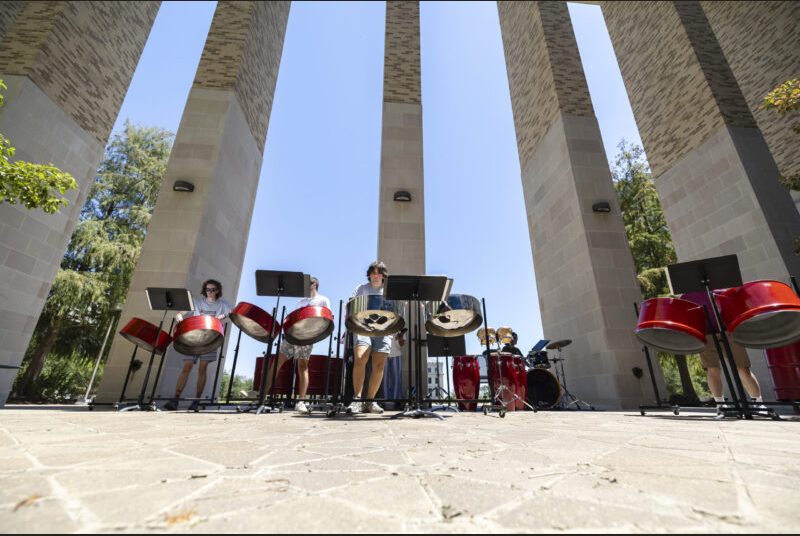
<point x="713" y="170"/>
<point x="401" y="227"/>
<point x="584" y="269"/>
<point x="67" y="66"/>
<point x="218" y="148"/>
<point x="760" y="41"/>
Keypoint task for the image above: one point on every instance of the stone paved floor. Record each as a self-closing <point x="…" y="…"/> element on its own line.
<point x="71" y="470"/>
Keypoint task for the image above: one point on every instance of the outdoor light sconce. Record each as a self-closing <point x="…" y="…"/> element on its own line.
<point x="183" y="186"/>
<point x="402" y="195"/>
<point x="601" y="206"/>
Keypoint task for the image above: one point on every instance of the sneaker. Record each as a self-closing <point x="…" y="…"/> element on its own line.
<point x="372" y="407"/>
<point x="355" y="406"/>
<point x="194" y="406"/>
<point x="171" y="405"/>
<point x="301" y="407"/>
<point x="720" y="413"/>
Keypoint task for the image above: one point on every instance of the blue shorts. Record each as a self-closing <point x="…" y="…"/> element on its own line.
<point x="378" y="344"/>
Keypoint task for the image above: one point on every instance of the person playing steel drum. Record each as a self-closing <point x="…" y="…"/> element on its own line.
<point x="301" y="354"/>
<point x="365" y="347"/>
<point x="211" y="304"/>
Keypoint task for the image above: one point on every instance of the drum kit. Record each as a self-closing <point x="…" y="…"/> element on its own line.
<point x="762" y="314"/>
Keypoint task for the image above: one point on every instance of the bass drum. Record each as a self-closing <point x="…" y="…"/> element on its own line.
<point x="544" y="391"/>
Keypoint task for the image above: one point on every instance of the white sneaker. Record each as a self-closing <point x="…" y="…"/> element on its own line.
<point x="301" y="407"/>
<point x="372" y="407"/>
<point x="355" y="406"/>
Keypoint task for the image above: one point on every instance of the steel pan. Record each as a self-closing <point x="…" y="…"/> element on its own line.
<point x="255" y="321"/>
<point x="375" y="316"/>
<point x="308" y="325"/>
<point x="544" y="391"/>
<point x="761" y="314"/>
<point x="198" y="335"/>
<point x="143" y="334"/>
<point x="672" y="325"/>
<point x="458" y="315"/>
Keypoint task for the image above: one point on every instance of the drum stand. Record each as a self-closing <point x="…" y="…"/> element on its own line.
<point x="327" y="404"/>
<point x="160" y="299"/>
<point x="438" y="347"/>
<point x="262" y="407"/>
<point x="416" y="289"/>
<point x="567" y="399"/>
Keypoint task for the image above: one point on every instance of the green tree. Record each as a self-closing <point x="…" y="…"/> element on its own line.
<point x="32" y="185"/>
<point x="785" y="99"/>
<point x="97" y="268"/>
<point x="240" y="383"/>
<point x="652" y="249"/>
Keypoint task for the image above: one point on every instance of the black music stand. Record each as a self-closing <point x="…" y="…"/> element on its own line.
<point x="445" y="347"/>
<point x="417" y="289"/>
<point x="705" y="275"/>
<point x="160" y="299"/>
<point x="278" y="284"/>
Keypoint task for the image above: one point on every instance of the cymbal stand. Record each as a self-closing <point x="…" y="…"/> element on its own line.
<point x="567" y="399"/>
<point x="497" y="402"/>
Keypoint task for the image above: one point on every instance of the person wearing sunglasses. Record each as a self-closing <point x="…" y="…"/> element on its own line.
<point x="211" y="303"/>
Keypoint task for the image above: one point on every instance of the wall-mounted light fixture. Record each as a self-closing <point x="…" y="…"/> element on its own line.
<point x="183" y="186"/>
<point x="402" y="195"/>
<point x="601" y="206"/>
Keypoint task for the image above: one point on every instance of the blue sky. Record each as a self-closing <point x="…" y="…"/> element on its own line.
<point x="317" y="205"/>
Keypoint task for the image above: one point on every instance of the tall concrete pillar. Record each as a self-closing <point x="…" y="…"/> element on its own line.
<point x="584" y="269"/>
<point x="760" y="41"/>
<point x="219" y="148"/>
<point x="713" y="170"/>
<point x="67" y="66"/>
<point x="401" y="227"/>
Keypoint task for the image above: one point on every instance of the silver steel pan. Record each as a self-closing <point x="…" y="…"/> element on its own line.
<point x="458" y="315"/>
<point x="375" y="316"/>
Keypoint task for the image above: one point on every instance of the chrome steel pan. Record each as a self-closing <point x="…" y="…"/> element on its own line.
<point x="458" y="315"/>
<point x="375" y="316"/>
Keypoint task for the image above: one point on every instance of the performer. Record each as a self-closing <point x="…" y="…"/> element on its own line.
<point x="211" y="304"/>
<point x="302" y="354"/>
<point x="511" y="347"/>
<point x="365" y="347"/>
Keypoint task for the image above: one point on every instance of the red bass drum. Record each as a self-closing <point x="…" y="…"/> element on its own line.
<point x="144" y="334"/>
<point x="308" y="325"/>
<point x="255" y="321"/>
<point x="198" y="335"/>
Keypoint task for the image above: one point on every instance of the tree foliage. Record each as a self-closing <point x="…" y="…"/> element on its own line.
<point x="652" y="249"/>
<point x="97" y="268"/>
<point x="32" y="185"/>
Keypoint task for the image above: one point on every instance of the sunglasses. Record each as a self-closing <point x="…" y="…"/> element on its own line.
<point x="211" y="289"/>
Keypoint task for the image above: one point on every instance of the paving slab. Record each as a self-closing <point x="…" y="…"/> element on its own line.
<point x="67" y="469"/>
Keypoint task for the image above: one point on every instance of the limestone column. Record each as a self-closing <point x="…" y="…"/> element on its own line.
<point x="713" y="170"/>
<point x="401" y="227"/>
<point x="584" y="269"/>
<point x="67" y="66"/>
<point x="218" y="148"/>
<point x="760" y="41"/>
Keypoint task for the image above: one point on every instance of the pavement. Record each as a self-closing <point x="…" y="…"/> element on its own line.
<point x="67" y="469"/>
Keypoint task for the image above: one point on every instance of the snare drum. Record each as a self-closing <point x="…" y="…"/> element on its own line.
<point x="198" y="335"/>
<point x="466" y="380"/>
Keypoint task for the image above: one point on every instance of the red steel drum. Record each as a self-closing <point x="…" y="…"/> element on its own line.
<point x="502" y="364"/>
<point x="784" y="365"/>
<point x="143" y="334"/>
<point x="317" y="369"/>
<point x="761" y="314"/>
<point x="198" y="335"/>
<point x="521" y="380"/>
<point x="544" y="391"/>
<point x="672" y="325"/>
<point x="308" y="325"/>
<point x="466" y="379"/>
<point x="255" y="321"/>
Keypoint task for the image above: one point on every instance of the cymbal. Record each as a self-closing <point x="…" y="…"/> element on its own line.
<point x="559" y="344"/>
